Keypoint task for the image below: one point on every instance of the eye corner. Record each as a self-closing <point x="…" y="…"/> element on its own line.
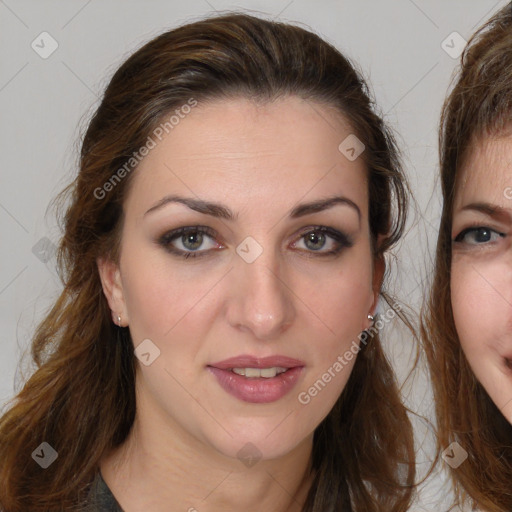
<point x="458" y="236"/>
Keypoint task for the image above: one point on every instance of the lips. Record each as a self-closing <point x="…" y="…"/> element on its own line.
<point x="246" y="361"/>
<point x="260" y="389"/>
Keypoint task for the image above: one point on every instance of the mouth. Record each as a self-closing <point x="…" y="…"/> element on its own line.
<point x="257" y="380"/>
<point x="256" y="373"/>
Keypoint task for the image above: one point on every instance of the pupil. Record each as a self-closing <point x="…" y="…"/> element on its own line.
<point x="483" y="235"/>
<point x="315" y="241"/>
<point x="192" y="241"/>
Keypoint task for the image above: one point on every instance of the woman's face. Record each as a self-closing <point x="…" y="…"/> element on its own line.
<point x="481" y="274"/>
<point x="245" y="245"/>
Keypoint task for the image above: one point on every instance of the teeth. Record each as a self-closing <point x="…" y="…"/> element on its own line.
<point x="266" y="373"/>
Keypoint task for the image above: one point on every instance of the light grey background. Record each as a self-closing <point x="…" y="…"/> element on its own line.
<point x="397" y="44"/>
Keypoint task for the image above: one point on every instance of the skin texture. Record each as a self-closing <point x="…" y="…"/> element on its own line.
<point x="260" y="161"/>
<point x="481" y="275"/>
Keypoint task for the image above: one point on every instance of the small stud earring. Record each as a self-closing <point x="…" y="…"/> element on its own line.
<point x="119" y="320"/>
<point x="370" y="317"/>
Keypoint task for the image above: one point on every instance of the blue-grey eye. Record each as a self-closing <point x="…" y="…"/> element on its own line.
<point x="478" y="235"/>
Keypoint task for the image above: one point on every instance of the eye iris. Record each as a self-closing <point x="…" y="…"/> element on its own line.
<point x="482" y="235"/>
<point x="192" y="241"/>
<point x="314" y="241"/>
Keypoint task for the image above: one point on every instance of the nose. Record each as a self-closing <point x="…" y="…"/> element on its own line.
<point x="261" y="302"/>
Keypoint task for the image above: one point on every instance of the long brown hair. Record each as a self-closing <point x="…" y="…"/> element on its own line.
<point x="81" y="398"/>
<point x="479" y="105"/>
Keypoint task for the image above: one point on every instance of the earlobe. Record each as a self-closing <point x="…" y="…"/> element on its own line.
<point x="379" y="267"/>
<point x="111" y="283"/>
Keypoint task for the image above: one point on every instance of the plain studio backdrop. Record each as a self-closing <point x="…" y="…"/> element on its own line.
<point x="57" y="57"/>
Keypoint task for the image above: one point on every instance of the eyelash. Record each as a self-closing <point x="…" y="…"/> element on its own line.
<point x="343" y="240"/>
<point x="460" y="237"/>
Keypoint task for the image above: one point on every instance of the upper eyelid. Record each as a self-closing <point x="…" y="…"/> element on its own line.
<point x="469" y="229"/>
<point x="468" y="226"/>
<point x="470" y="218"/>
<point x="479" y="226"/>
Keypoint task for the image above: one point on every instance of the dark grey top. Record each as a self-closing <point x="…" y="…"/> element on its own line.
<point x="100" y="498"/>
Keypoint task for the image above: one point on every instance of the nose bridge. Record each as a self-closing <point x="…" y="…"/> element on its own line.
<point x="263" y="303"/>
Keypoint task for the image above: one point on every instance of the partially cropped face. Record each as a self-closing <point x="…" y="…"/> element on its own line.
<point x="246" y="262"/>
<point x="481" y="281"/>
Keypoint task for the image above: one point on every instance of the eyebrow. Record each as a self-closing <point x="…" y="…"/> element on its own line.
<point x="223" y="212"/>
<point x="492" y="210"/>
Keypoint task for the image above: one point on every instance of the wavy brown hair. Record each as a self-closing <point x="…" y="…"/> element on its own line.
<point x="81" y="398"/>
<point x="479" y="106"/>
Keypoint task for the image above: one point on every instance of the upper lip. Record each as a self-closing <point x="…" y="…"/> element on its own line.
<point x="247" y="361"/>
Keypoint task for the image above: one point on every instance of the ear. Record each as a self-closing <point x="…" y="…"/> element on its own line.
<point x="379" y="267"/>
<point x="111" y="283"/>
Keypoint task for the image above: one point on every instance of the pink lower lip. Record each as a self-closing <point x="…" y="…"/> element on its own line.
<point x="257" y="390"/>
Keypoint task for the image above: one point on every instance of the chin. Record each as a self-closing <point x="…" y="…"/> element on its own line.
<point x="254" y="443"/>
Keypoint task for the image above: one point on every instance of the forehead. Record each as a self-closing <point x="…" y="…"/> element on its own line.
<point x="487" y="171"/>
<point x="283" y="150"/>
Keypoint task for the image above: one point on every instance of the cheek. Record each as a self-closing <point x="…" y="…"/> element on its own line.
<point x="342" y="300"/>
<point x="149" y="300"/>
<point x="346" y="300"/>
<point x="348" y="293"/>
<point x="480" y="293"/>
<point x="162" y="297"/>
